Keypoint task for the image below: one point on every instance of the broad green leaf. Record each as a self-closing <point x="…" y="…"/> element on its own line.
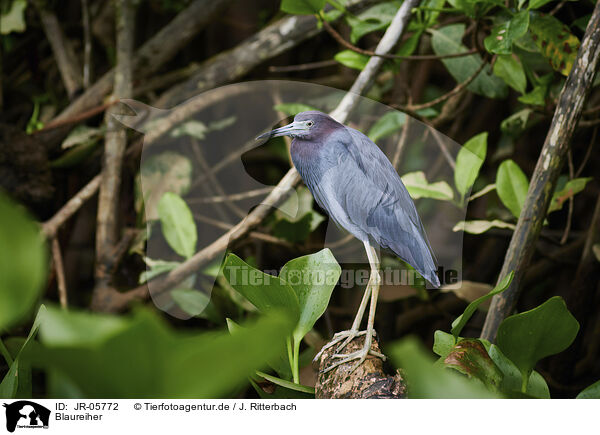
<point x="537" y="97"/>
<point x="292" y="109"/>
<point x="503" y="35"/>
<point x="468" y="162"/>
<point x="511" y="71"/>
<point x="352" y="59"/>
<point x="10" y="383"/>
<point x="313" y="278"/>
<point x="80" y="135"/>
<point x="13" y="19"/>
<point x="266" y="292"/>
<point x="481" y="226"/>
<point x="165" y="172"/>
<point x="555" y="42"/>
<point x="535" y="4"/>
<point x="75" y="155"/>
<point x="23" y="263"/>
<point x="460" y="322"/>
<point x="195" y="303"/>
<point x="447" y="40"/>
<point x="374" y="18"/>
<point x="443" y="343"/>
<point x="428" y="381"/>
<point x="470" y="358"/>
<point x="177" y="224"/>
<point x="302" y="7"/>
<point x="570" y="189"/>
<point x="418" y="187"/>
<point x="512" y="185"/>
<point x="526" y="338"/>
<point x="511" y="381"/>
<point x="591" y="392"/>
<point x="387" y="125"/>
<point x="145" y="358"/>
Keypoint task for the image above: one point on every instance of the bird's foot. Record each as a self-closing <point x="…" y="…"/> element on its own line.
<point x="359" y="355"/>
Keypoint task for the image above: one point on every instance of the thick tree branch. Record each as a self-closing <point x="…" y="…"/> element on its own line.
<point x="114" y="148"/>
<point x="547" y="170"/>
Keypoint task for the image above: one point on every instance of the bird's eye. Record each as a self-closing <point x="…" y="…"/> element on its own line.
<point x="309" y="124"/>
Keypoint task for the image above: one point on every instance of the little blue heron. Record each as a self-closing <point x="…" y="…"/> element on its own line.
<point x="353" y="180"/>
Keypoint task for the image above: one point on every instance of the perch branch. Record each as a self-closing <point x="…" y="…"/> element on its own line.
<point x="61" y="282"/>
<point x="547" y="170"/>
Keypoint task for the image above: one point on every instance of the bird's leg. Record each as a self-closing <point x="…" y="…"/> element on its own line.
<point x="373" y="289"/>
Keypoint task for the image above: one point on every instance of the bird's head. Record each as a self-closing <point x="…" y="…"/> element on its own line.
<point x="307" y="125"/>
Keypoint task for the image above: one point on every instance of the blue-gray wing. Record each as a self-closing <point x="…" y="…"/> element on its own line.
<point x="363" y="193"/>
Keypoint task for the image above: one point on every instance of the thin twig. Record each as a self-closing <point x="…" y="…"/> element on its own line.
<point x="359" y="50"/>
<point x="51" y="226"/>
<point x="87" y="44"/>
<point x="64" y="54"/>
<point x="60" y="273"/>
<point x="401" y="143"/>
<point x="457" y="89"/>
<point x="588" y="153"/>
<point x="77" y="117"/>
<point x="254" y="234"/>
<point x="231" y="197"/>
<point x="303" y="66"/>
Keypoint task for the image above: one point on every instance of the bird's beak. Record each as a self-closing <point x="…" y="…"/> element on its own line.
<point x="286" y="130"/>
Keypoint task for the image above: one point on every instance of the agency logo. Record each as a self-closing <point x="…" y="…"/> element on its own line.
<point x="25" y="414"/>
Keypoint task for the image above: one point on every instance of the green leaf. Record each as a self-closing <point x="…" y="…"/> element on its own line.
<point x="512" y="186"/>
<point x="570" y="189"/>
<point x="302" y="7"/>
<point x="375" y="18"/>
<point x="443" y="343"/>
<point x="266" y="292"/>
<point x="156" y="268"/>
<point x="177" y="223"/>
<point x="352" y="59"/>
<point x="23" y="263"/>
<point x="470" y="358"/>
<point x="511" y="381"/>
<point x="193" y="128"/>
<point x="537" y="97"/>
<point x="460" y="322"/>
<point x="429" y="381"/>
<point x="516" y="123"/>
<point x="286" y="384"/>
<point x="447" y="40"/>
<point x="555" y="42"/>
<point x="195" y="303"/>
<point x="481" y="226"/>
<point x="591" y="392"/>
<point x="418" y="187"/>
<point x="469" y="160"/>
<point x="165" y="172"/>
<point x="313" y="278"/>
<point x="18" y="379"/>
<point x="535" y="4"/>
<point x="296" y="218"/>
<point x="511" y="71"/>
<point x="387" y="125"/>
<point x="292" y="109"/>
<point x="145" y="358"/>
<point x="75" y="155"/>
<point x="528" y="337"/>
<point x="503" y="35"/>
<point x="13" y="19"/>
